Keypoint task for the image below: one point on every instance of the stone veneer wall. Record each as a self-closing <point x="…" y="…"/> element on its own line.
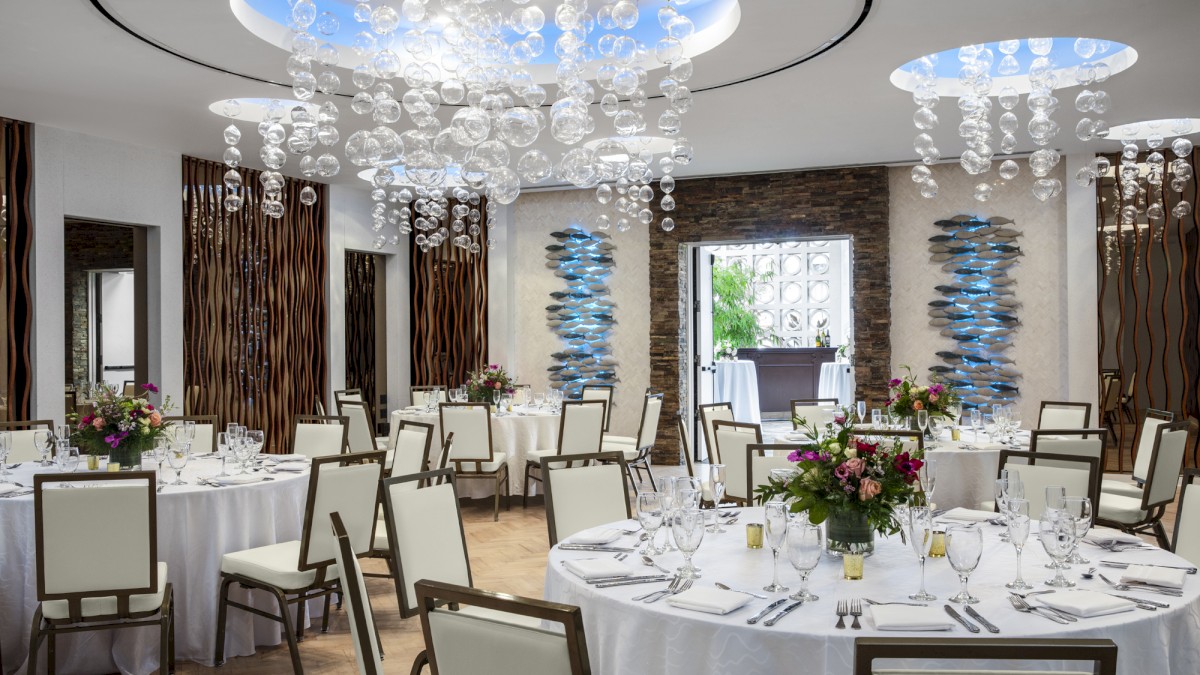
<point x="832" y="202"/>
<point x="88" y="246"/>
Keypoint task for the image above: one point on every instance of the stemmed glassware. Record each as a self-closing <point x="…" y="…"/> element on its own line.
<point x="1056" y="529"/>
<point x="161" y="449"/>
<point x="1079" y="509"/>
<point x="876" y="418"/>
<point x="923" y="421"/>
<point x="1018" y="534"/>
<point x="775" y="529"/>
<point x="186" y="431"/>
<point x="861" y="409"/>
<point x="935" y="431"/>
<point x="964" y="545"/>
<point x="68" y="461"/>
<point x="976" y="422"/>
<point x="927" y="477"/>
<point x="178" y="454"/>
<point x="223" y="450"/>
<point x="5" y="444"/>
<point x="920" y="535"/>
<point x="43" y="440"/>
<point x="805" y="542"/>
<point x="651" y="510"/>
<point x="687" y="528"/>
<point x="255" y="439"/>
<point x="1012" y="419"/>
<point x="1056" y="496"/>
<point x="539" y="399"/>
<point x="717" y="477"/>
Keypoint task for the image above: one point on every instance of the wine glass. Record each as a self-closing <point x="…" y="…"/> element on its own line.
<point x="539" y="399"/>
<point x="1080" y="511"/>
<point x="920" y="535"/>
<point x="876" y="418"/>
<point x="717" y="476"/>
<point x="255" y="440"/>
<point x="923" y="421"/>
<point x="1056" y="529"/>
<point x="1055" y="495"/>
<point x="178" y="454"/>
<point x="936" y="424"/>
<point x="5" y="444"/>
<point x="186" y="432"/>
<point x="162" y="445"/>
<point x="1018" y="534"/>
<point x="68" y="462"/>
<point x="222" y="450"/>
<point x="687" y="528"/>
<point x="1013" y="422"/>
<point x="927" y="476"/>
<point x="964" y="545"/>
<point x="650" y="512"/>
<point x="231" y="430"/>
<point x="43" y="440"/>
<point x="776" y="520"/>
<point x="861" y="409"/>
<point x="976" y="422"/>
<point x="804" y="545"/>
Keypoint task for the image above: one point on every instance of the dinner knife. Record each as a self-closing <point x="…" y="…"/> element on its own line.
<point x="782" y="613"/>
<point x="979" y="617"/>
<point x="632" y="581"/>
<point x="766" y="610"/>
<point x="959" y="618"/>
<point x="1143" y="601"/>
<point x="586" y="547"/>
<point x="1124" y="565"/>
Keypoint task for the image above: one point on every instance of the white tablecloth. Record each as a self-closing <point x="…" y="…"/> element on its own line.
<point x="513" y="433"/>
<point x="736" y="382"/>
<point x="196" y="526"/>
<point x="837" y="381"/>
<point x="634" y="637"/>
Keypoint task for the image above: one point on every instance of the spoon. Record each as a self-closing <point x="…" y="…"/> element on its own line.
<point x="735" y="590"/>
<point x="649" y="562"/>
<point x="1088" y="574"/>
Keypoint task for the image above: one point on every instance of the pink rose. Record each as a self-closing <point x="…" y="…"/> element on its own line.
<point x="917" y="405"/>
<point x="867" y="489"/>
<point x="856" y="466"/>
<point x="155" y="419"/>
<point x="98" y="423"/>
<point x="497" y="385"/>
<point x="933" y="397"/>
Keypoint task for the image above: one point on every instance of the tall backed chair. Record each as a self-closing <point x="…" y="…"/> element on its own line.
<point x="1110" y="399"/>
<point x="637" y="456"/>
<point x="472" y="453"/>
<point x="911" y="440"/>
<point x="580" y="431"/>
<point x="360" y="436"/>
<point x="305" y="568"/>
<point x="584" y="491"/>
<point x="348" y="395"/>
<point x="420" y="394"/>
<point x="761" y="459"/>
<point x="205" y="440"/>
<point x="684" y="445"/>
<point x="1144" y="445"/>
<point x="1079" y="475"/>
<point x="99" y="578"/>
<point x="22" y="434"/>
<point x="1143" y="515"/>
<point x="732" y="440"/>
<point x="1078" y="442"/>
<point x="1186" y="542"/>
<point x="358" y="606"/>
<point x="319" y="436"/>
<point x="600" y="392"/>
<point x="1100" y="656"/>
<point x="710" y="414"/>
<point x="408" y="447"/>
<point x="1064" y="415"/>
<point x="815" y="410"/>
<point x="505" y="641"/>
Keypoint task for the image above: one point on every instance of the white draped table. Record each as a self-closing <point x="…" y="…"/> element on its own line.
<point x="514" y="433"/>
<point x="633" y="637"/>
<point x="837" y="381"/>
<point x="736" y="382"/>
<point x="196" y="525"/>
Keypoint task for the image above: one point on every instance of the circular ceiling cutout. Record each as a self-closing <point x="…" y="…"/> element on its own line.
<point x="1164" y="128"/>
<point x="254" y="110"/>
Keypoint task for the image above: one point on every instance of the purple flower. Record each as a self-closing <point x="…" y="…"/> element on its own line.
<point x="839" y="418"/>
<point x="842" y="471"/>
<point x="894" y="382"/>
<point x="794" y="456"/>
<point x="114" y="440"/>
<point x="149" y="386"/>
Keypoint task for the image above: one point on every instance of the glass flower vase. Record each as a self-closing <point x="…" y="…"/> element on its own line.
<point x="846" y="530"/>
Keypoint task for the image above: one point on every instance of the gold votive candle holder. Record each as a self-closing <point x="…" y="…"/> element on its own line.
<point x="754" y="535"/>
<point x="955" y="434"/>
<point x="937" y="548"/>
<point x="114" y="467"/>
<point x="852" y="565"/>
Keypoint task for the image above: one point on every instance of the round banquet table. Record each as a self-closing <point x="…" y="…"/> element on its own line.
<point x="737" y="383"/>
<point x="197" y="524"/>
<point x="626" y="637"/>
<point x="837" y="381"/>
<point x="515" y="433"/>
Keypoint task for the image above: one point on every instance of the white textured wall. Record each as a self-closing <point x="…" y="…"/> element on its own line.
<point x="1042" y="285"/>
<point x="534" y="216"/>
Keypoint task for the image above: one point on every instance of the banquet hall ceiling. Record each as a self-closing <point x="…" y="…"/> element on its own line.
<point x="66" y="65"/>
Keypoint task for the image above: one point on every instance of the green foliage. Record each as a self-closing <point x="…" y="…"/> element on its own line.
<point x="734" y="324"/>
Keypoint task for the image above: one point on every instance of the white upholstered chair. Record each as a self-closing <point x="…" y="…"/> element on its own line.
<point x="472" y="453"/>
<point x="910" y="441"/>
<point x="99" y="575"/>
<point x="348" y="395"/>
<point x="962" y="656"/>
<point x="732" y="439"/>
<point x="1038" y="470"/>
<point x="319" y="436"/>
<point x="1064" y="415"/>
<point x="205" y="440"/>
<point x="600" y="392"/>
<point x="637" y="455"/>
<point x="685" y="445"/>
<point x="420" y="394"/>
<point x="587" y="490"/>
<point x="1143" y="514"/>
<point x="1186" y="542"/>
<point x="1144" y="443"/>
<point x="710" y="414"/>
<point x="408" y="447"/>
<point x="1075" y="442"/>
<point x="358" y="606"/>
<point x="580" y="431"/>
<point x="816" y="411"/>
<point x="761" y="459"/>
<point x="22" y="447"/>
<point x="360" y="437"/>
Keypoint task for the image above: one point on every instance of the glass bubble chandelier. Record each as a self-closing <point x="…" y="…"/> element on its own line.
<point x="1036" y="67"/>
<point x="474" y="61"/>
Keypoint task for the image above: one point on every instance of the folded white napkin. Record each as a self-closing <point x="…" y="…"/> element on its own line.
<point x="6" y="488"/>
<point x="710" y="600"/>
<point x="969" y="515"/>
<point x="904" y="617"/>
<point x="240" y="479"/>
<point x="992" y="447"/>
<point x="292" y="466"/>
<point x="1086" y="603"/>
<point x="287" y="458"/>
<point x="595" y="536"/>
<point x="1106" y="534"/>
<point x="595" y="568"/>
<point x="1159" y="576"/>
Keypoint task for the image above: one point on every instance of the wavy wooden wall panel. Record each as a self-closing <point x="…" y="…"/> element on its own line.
<point x="254" y="302"/>
<point x="449" y="313"/>
<point x="15" y="283"/>
<point x="360" y="326"/>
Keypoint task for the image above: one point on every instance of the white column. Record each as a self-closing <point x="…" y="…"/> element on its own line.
<point x="1079" y="297"/>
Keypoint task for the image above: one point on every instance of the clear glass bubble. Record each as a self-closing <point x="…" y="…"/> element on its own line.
<point x="603" y="221"/>
<point x="667" y="224"/>
<point x="646" y="216"/>
<point x="1008" y="66"/>
<point x="1101" y="103"/>
<point x="1046" y="188"/>
<point x="1009" y="169"/>
<point x="1009" y="98"/>
<point x="1041" y="46"/>
<point x="1181" y="210"/>
<point x="1085" y="129"/>
<point x="623" y="225"/>
<point x="925" y="118"/>
<point x="1009" y="46"/>
<point x="1101" y="165"/>
<point x="667" y="203"/>
<point x="921" y="173"/>
<point x="625" y="14"/>
<point x="232" y="202"/>
<point x="328" y="23"/>
<point x="929" y="189"/>
<point x="681" y="70"/>
<point x="232" y="157"/>
<point x="308" y="195"/>
<point x="1182" y="147"/>
<point x="1085" y="177"/>
<point x="1155" y="211"/>
<point x="328" y="165"/>
<point x="1181" y="169"/>
<point x="1130" y="151"/>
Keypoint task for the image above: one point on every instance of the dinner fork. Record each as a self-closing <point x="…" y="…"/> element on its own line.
<point x="675" y="582"/>
<point x="1141" y="587"/>
<point x="1020" y="605"/>
<point x="856" y="611"/>
<point x="842" y="610"/>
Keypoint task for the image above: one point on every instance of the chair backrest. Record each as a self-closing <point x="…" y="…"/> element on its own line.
<point x="815" y="410"/>
<point x="358" y="605"/>
<point x="761" y="458"/>
<point x="600" y="392"/>
<point x="581" y="426"/>
<point x="130" y="388"/>
<point x="425" y="533"/>
<point x="1099" y="656"/>
<point x="584" y="491"/>
<point x="419" y="394"/>
<point x="411" y="450"/>
<point x="206" y="431"/>
<point x="21" y="436"/>
<point x="1075" y="442"/>
<point x="498" y="646"/>
<point x="442" y="457"/>
<point x="648" y="429"/>
<point x="1064" y="415"/>
<point x="732" y="438"/>
<point x="319" y="405"/>
<point x="471" y="424"/>
<point x="76" y="559"/>
<point x="360" y="437"/>
<point x="319" y="436"/>
<point x="1079" y="475"/>
<point x="350" y="395"/>
<point x="1170" y="445"/>
<point x="684" y="445"/>
<point x="709" y="414"/>
<point x="1145" y="441"/>
<point x="347" y="484"/>
<point x="1187" y="519"/>
<point x="911" y="440"/>
<point x="1112" y="394"/>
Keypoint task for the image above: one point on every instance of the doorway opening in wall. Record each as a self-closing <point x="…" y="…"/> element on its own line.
<point x="366" y="334"/>
<point x="766" y="316"/>
<point x="104" y="267"/>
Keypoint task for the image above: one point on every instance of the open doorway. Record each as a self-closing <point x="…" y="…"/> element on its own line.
<point x="766" y="316"/>
<point x="366" y="331"/>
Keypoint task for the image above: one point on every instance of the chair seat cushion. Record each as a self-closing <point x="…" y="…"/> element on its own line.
<point x="381" y="537"/>
<point x="630" y="452"/>
<point x="1122" y="488"/>
<point x="1121" y="509"/>
<point x="58" y="610"/>
<point x="275" y="565"/>
<point x="535" y="455"/>
<point x="381" y="442"/>
<point x="987" y="506"/>
<point x="624" y="440"/>
<point x="498" y="459"/>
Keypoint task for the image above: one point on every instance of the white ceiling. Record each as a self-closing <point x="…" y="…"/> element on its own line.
<point x="66" y="66"/>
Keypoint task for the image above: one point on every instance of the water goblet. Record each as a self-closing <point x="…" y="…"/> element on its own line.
<point x="651" y="509"/>
<point x="717" y="477"/>
<point x="923" y="421"/>
<point x="161" y="449"/>
<point x="1018" y="534"/>
<point x="1056" y="529"/>
<point x="964" y="545"/>
<point x="539" y="399"/>
<point x="1012" y="420"/>
<point x="920" y="536"/>
<point x="178" y="454"/>
<point x="1079" y="509"/>
<point x="5" y="444"/>
<point x="687" y="529"/>
<point x="186" y="432"/>
<point x="255" y="439"/>
<point x="805" y="543"/>
<point x="876" y="418"/>
<point x="936" y="424"/>
<point x="68" y="462"/>
<point x="776" y="520"/>
<point x="43" y="440"/>
<point x="976" y="422"/>
<point x="223" y="450"/>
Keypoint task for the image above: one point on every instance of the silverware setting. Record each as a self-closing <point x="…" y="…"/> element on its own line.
<point x="961" y="619"/>
<point x="765" y="611"/>
<point x="681" y="587"/>
<point x="1138" y="586"/>
<point x="1116" y="546"/>
<point x="1149" y="604"/>
<point x="856" y="611"/>
<point x="675" y="582"/>
<point x="649" y="562"/>
<point x="1020" y="605"/>
<point x="738" y="590"/>
<point x="974" y="614"/>
<point x="17" y="493"/>
<point x="782" y="613"/>
<point x="843" y="610"/>
<point x="1124" y="565"/>
<point x="585" y="547"/>
<point x="621" y="556"/>
<point x="631" y="581"/>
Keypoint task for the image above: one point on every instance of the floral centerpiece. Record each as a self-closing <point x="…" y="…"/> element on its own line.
<point x="123" y="427"/>
<point x="481" y="383"/>
<point x="906" y="397"/>
<point x="851" y="481"/>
